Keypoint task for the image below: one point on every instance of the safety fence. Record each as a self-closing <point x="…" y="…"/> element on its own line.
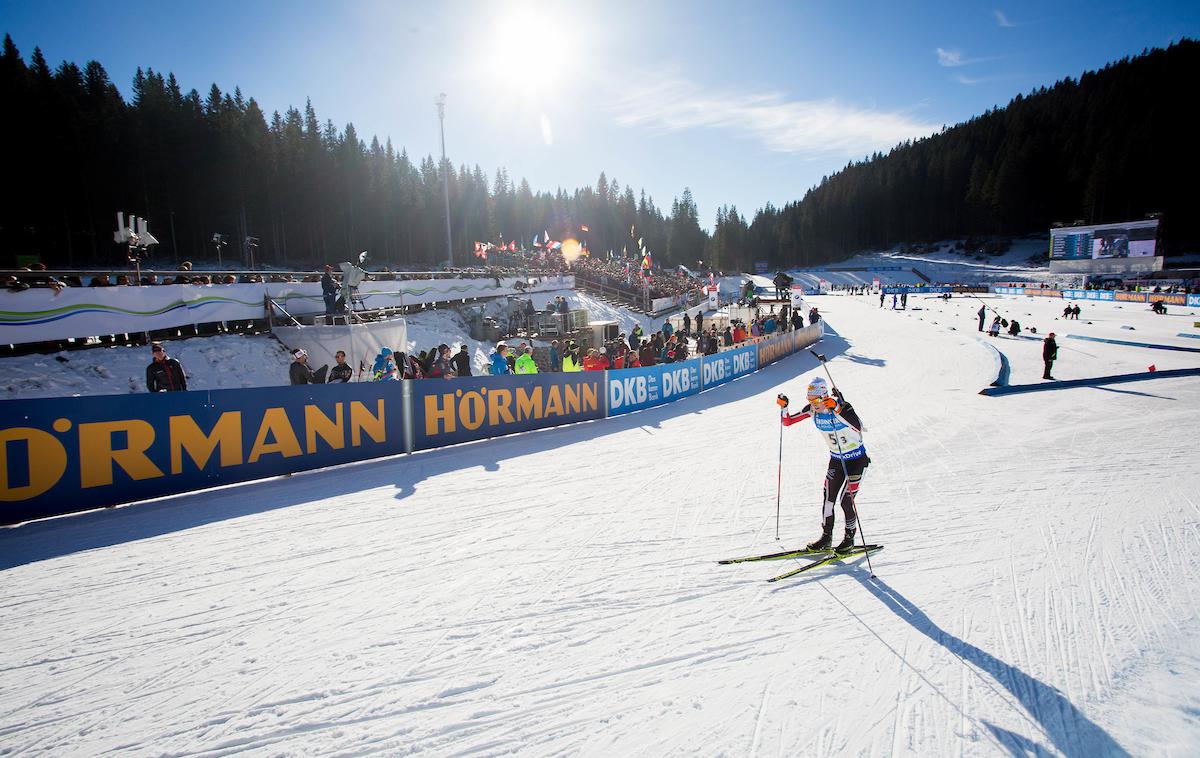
<point x="42" y="314"/>
<point x="1168" y="298"/>
<point x="63" y="455"/>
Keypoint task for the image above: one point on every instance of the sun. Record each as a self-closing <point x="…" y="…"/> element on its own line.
<point x="531" y="49"/>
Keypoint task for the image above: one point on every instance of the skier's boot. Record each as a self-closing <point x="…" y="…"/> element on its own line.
<point x="826" y="539"/>
<point x="847" y="541"/>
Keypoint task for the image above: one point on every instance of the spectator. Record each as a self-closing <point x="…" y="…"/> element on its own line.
<point x="439" y="367"/>
<point x="631" y="360"/>
<point x="555" y="358"/>
<point x="739" y="332"/>
<point x="300" y="373"/>
<point x="700" y="323"/>
<point x="647" y="355"/>
<point x="462" y="361"/>
<point x="595" y="361"/>
<point x="1049" y="355"/>
<point x="499" y="361"/>
<point x="571" y="362"/>
<point x="667" y="330"/>
<point x="681" y="350"/>
<point x="687" y="324"/>
<point x="164" y="374"/>
<point x="727" y="337"/>
<point x="982" y="315"/>
<point x="635" y="337"/>
<point x="526" y="364"/>
<point x="384" y="369"/>
<point x="341" y="371"/>
<point x="329" y="292"/>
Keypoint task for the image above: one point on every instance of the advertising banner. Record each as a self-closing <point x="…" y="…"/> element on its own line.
<point x="1193" y="300"/>
<point x="637" y="388"/>
<point x="62" y="455"/>
<point x="446" y="412"/>
<point x="727" y="366"/>
<point x="1132" y="239"/>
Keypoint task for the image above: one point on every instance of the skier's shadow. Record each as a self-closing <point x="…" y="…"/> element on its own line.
<point x="1067" y="728"/>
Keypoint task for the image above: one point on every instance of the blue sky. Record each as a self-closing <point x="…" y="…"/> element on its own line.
<point x="746" y="103"/>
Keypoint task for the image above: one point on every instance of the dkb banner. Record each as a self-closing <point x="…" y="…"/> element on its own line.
<point x="447" y="412"/>
<point x="727" y="366"/>
<point x="633" y="389"/>
<point x="70" y="454"/>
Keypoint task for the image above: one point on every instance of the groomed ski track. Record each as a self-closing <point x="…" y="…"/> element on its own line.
<point x="557" y="593"/>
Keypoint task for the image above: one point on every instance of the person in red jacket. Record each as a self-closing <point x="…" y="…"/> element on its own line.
<point x="595" y="361"/>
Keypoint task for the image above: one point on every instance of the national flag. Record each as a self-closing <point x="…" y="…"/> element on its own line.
<point x="640" y="245"/>
<point x="646" y="261"/>
<point x="512" y="246"/>
<point x="547" y="236"/>
<point x="478" y="247"/>
<point x="712" y="280"/>
<point x="583" y="228"/>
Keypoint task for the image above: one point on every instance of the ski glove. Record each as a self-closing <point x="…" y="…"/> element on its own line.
<point x="782" y="401"/>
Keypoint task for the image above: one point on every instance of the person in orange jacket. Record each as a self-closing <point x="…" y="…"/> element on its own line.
<point x="595" y="361"/>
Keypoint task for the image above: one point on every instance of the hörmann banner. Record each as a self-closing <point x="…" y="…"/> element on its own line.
<point x="62" y="455"/>
<point x="638" y="388"/>
<point x="475" y="408"/>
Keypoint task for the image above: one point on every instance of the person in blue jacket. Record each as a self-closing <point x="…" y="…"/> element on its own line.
<point x="499" y="361"/>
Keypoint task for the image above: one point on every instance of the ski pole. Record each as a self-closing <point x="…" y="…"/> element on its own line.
<point x="846" y="472"/>
<point x="782" y="401"/>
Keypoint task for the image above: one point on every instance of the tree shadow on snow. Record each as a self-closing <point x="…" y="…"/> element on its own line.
<point x="1064" y="725"/>
<point x="51" y="538"/>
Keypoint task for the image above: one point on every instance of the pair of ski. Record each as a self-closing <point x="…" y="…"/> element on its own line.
<point x="824" y="558"/>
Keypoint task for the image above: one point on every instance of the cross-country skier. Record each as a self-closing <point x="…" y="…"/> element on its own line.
<point x="841" y="429"/>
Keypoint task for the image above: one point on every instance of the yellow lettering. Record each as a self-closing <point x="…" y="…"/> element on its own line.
<point x="590" y="401"/>
<point x="529" y="403"/>
<point x="316" y="423"/>
<point x="471" y="410"/>
<point x="554" y="405"/>
<point x="361" y="420"/>
<point x="437" y="415"/>
<point x="572" y="398"/>
<point x="97" y="456"/>
<point x="499" y="404"/>
<point x="47" y="462"/>
<point x="275" y="422"/>
<point x="186" y="435"/>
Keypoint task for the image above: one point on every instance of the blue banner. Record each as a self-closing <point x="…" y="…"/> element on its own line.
<point x="901" y="289"/>
<point x="62" y="455"/>
<point x="1089" y="294"/>
<point x="727" y="366"/>
<point x="1193" y="300"/>
<point x="448" y="412"/>
<point x="637" y="388"/>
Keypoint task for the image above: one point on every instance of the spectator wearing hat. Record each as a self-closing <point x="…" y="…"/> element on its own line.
<point x="300" y="373"/>
<point x="164" y="374"/>
<point x="1049" y="354"/>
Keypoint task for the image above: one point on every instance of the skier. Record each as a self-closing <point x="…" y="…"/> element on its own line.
<point x="841" y="428"/>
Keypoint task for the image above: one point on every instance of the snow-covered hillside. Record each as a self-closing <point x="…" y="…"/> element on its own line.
<point x="557" y="593"/>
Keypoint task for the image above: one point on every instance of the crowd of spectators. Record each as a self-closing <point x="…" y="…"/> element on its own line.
<point x="629" y="277"/>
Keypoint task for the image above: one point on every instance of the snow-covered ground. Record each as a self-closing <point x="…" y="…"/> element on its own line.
<point x="556" y="593"/>
<point x="942" y="265"/>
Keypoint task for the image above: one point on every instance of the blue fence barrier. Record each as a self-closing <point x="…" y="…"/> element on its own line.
<point x="475" y="408"/>
<point x="70" y="454"/>
<point x="62" y="455"/>
<point x="1169" y="298"/>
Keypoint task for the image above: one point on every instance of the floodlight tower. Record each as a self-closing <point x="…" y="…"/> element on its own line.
<point x="441" y="106"/>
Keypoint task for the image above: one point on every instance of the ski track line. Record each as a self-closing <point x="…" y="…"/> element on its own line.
<point x="758" y="721"/>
